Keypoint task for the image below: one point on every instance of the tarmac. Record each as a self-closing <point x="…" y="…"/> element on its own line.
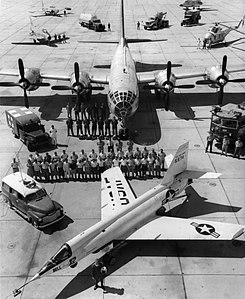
<point x="143" y="269"/>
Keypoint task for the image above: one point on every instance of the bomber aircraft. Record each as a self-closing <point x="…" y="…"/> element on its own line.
<point x="52" y="11"/>
<point x="122" y="78"/>
<point x="125" y="217"/>
<point x="216" y="34"/>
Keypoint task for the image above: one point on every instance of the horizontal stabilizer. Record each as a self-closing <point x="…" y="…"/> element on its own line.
<point x="170" y="228"/>
<point x="197" y="174"/>
<point x="144" y="40"/>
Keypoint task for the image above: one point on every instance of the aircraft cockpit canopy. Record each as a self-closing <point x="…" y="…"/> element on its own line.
<point x="214" y="29"/>
<point x="62" y="254"/>
<point x="123" y="101"/>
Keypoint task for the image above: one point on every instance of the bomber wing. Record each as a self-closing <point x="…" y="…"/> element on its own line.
<point x="170" y="228"/>
<point x="116" y="193"/>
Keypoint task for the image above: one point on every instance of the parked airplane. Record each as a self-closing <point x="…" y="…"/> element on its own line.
<point x="123" y="80"/>
<point x="216" y="34"/>
<point x="52" y="11"/>
<point x="125" y="217"/>
<point x="42" y="37"/>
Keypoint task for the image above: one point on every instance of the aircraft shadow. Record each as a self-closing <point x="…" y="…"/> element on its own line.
<point x="43" y="43"/>
<point x="196" y="205"/>
<point x="58" y="226"/>
<point x="227" y="44"/>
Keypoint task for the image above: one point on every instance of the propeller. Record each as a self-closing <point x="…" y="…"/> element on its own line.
<point x="221" y="81"/>
<point x="23" y="83"/>
<point x="77" y="86"/>
<point x="168" y="85"/>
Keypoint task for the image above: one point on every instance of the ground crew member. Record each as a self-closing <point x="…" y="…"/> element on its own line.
<point x="94" y="127"/>
<point x="99" y="272"/>
<point x="109" y="27"/>
<point x="114" y="123"/>
<point x="59" y="38"/>
<point x="69" y="109"/>
<point x="138" y="25"/>
<point x="64" y="38"/>
<point x="100" y="144"/>
<point x="101" y="127"/>
<point x="225" y="144"/>
<point x="107" y="127"/>
<point x="53" y="135"/>
<point x="210" y="139"/>
<point x="87" y="127"/>
<point x="238" y="147"/>
<point x="77" y="110"/>
<point x="83" y="111"/>
<point x="69" y="124"/>
<point x="79" y="127"/>
<point x="15" y="165"/>
<point x="199" y="43"/>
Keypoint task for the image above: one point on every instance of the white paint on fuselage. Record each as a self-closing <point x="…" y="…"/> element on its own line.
<point x="123" y="76"/>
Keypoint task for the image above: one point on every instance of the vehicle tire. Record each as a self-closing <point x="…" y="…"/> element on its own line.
<point x="34" y="223"/>
<point x="73" y="265"/>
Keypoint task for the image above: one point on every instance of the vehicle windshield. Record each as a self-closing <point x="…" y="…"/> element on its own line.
<point x="37" y="195"/>
<point x="62" y="254"/>
<point x="31" y="127"/>
<point x="229" y="123"/>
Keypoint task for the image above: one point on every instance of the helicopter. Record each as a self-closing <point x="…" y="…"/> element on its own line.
<point x="217" y="33"/>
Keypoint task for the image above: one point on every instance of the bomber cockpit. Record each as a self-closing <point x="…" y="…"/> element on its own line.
<point x="123" y="102"/>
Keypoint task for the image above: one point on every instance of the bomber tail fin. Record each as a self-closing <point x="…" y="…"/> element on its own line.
<point x="178" y="164"/>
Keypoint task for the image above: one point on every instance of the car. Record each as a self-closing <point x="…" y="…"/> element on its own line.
<point x="30" y="199"/>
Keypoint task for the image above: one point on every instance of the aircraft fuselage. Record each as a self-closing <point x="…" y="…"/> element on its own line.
<point x="123" y="95"/>
<point x="117" y="227"/>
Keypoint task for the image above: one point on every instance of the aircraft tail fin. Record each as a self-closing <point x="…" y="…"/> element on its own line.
<point x="177" y="165"/>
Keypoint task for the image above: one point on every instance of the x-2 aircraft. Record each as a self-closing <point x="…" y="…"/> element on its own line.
<point x="52" y="11"/>
<point x="122" y="78"/>
<point x="125" y="217"/>
<point x="216" y="34"/>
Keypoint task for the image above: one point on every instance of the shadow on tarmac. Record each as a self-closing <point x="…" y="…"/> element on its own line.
<point x="212" y="249"/>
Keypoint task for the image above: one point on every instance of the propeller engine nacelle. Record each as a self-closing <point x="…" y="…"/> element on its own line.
<point x="33" y="79"/>
<point x="83" y="86"/>
<point x="215" y="75"/>
<point x="167" y="84"/>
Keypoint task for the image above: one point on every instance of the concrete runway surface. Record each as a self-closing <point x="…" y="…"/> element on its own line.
<point x="143" y="269"/>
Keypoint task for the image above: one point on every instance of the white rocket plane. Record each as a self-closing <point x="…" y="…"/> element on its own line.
<point x="125" y="217"/>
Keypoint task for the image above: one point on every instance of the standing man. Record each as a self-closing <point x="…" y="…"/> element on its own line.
<point x="94" y="128"/>
<point x="199" y="43"/>
<point x="138" y="25"/>
<point x="69" y="124"/>
<point x="225" y="144"/>
<point x="108" y="127"/>
<point x="114" y="123"/>
<point x="238" y="146"/>
<point x="79" y="127"/>
<point x="101" y="127"/>
<point x="69" y="109"/>
<point x="210" y="139"/>
<point x="15" y="165"/>
<point x="53" y="135"/>
<point x="99" y="272"/>
<point x="87" y="127"/>
<point x="109" y="27"/>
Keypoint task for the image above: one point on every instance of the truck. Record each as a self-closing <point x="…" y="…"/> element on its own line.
<point x="191" y="17"/>
<point x="228" y="120"/>
<point x="26" y="126"/>
<point x="157" y="22"/>
<point x="91" y="22"/>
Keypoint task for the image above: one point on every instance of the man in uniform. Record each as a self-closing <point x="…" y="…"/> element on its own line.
<point x="99" y="272"/>
<point x="210" y="139"/>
